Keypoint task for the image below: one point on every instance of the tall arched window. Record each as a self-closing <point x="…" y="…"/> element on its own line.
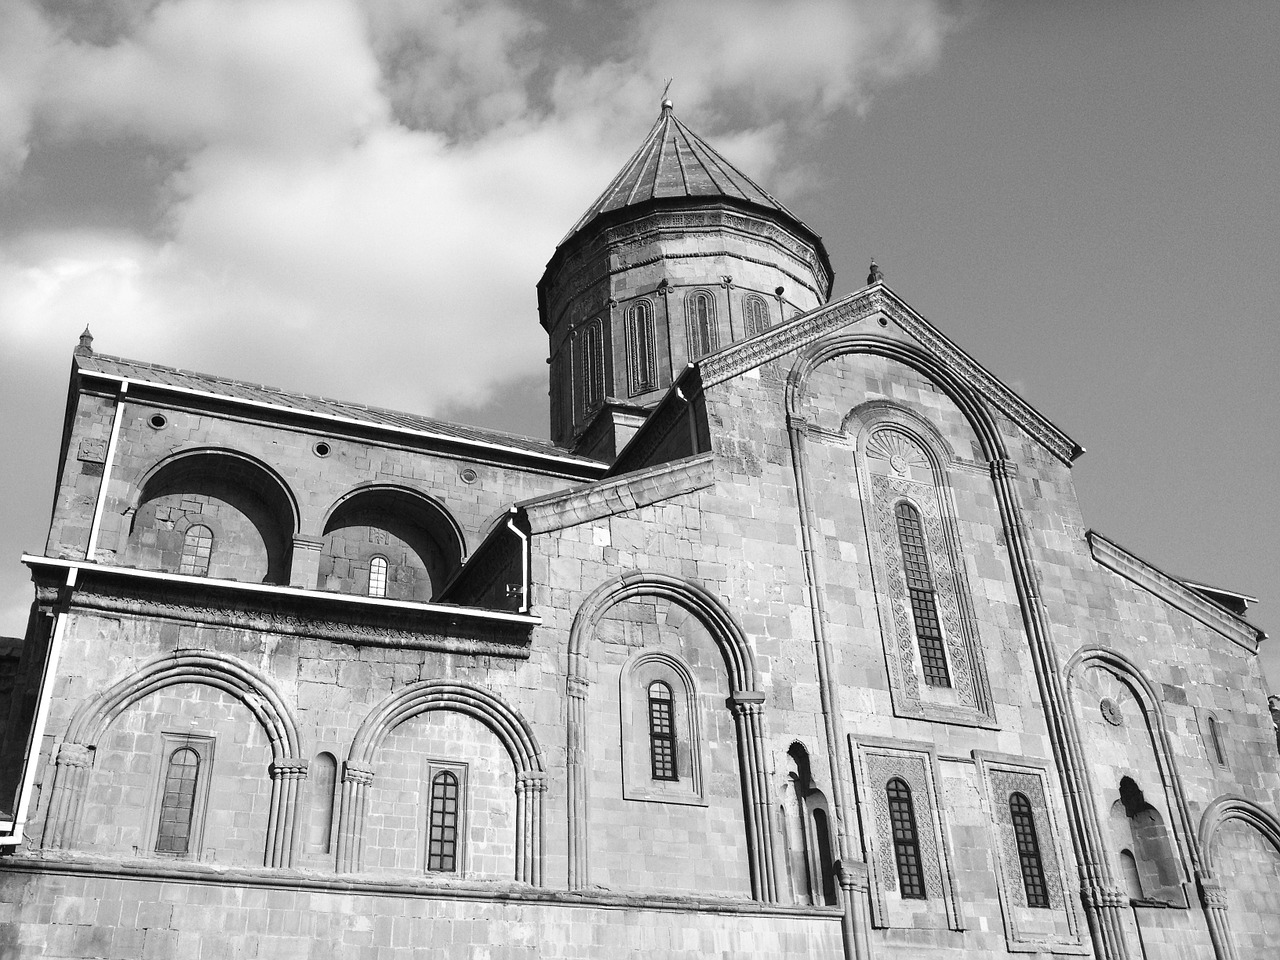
<point x="822" y="840"/>
<point x="906" y="841"/>
<point x="700" y="323"/>
<point x="756" y="315"/>
<point x="1215" y="739"/>
<point x="591" y="365"/>
<point x="1024" y="833"/>
<point x="177" y="802"/>
<point x="640" y="347"/>
<point x="662" y="732"/>
<point x="442" y="840"/>
<point x="378" y="577"/>
<point x="197" y="549"/>
<point x="924" y="607"/>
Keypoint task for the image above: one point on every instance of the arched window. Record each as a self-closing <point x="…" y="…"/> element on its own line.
<point x="906" y="841"/>
<point x="1215" y="740"/>
<point x="662" y="732"/>
<point x="197" y="548"/>
<point x="700" y="323"/>
<point x="822" y="840"/>
<point x="321" y="783"/>
<point x="640" y="347"/>
<point x="442" y="840"/>
<point x="924" y="607"/>
<point x="378" y="577"/>
<point x="177" y="802"/>
<point x="591" y="365"/>
<point x="756" y="314"/>
<point x="1024" y="833"/>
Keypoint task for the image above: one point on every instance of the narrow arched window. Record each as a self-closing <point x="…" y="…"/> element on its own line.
<point x="640" y="347"/>
<point x="924" y="607"/>
<point x="822" y="840"/>
<point x="378" y="577"/>
<point x="1024" y="833"/>
<point x="591" y="364"/>
<point x="906" y="841"/>
<point x="197" y="548"/>
<point x="442" y="841"/>
<point x="178" y="802"/>
<point x="756" y="314"/>
<point x="700" y="323"/>
<point x="1215" y="738"/>
<point x="322" y="782"/>
<point x="662" y="732"/>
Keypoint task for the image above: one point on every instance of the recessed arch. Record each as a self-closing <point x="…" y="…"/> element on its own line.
<point x="1234" y="807"/>
<point x="422" y="541"/>
<point x="875" y="415"/>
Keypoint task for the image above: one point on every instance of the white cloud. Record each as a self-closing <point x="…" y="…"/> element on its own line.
<point x="369" y="192"/>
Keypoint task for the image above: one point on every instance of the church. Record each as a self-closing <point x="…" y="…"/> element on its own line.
<point x="791" y="642"/>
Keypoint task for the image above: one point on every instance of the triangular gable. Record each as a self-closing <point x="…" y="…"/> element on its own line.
<point x="870" y="301"/>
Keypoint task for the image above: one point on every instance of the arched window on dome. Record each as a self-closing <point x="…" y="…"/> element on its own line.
<point x="197" y="550"/>
<point x="755" y="314"/>
<point x="920" y="590"/>
<point x="1024" y="833"/>
<point x="700" y="323"/>
<point x="641" y="367"/>
<point x="906" y="840"/>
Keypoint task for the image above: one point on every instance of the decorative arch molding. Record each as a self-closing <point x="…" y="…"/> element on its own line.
<point x="1212" y="891"/>
<point x="251" y="687"/>
<point x="1128" y="672"/>
<point x="428" y="503"/>
<point x="507" y="725"/>
<point x="276" y="483"/>
<point x="745" y="700"/>
<point x="875" y="415"/>
<point x="1103" y="904"/>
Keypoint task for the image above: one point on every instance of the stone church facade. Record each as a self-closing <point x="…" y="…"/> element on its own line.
<point x="792" y="643"/>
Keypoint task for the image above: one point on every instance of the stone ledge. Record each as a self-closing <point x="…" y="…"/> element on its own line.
<point x="196" y="873"/>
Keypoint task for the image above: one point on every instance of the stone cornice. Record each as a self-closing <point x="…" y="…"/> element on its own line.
<point x="493" y="892"/>
<point x="359" y="621"/>
<point x="622" y="494"/>
<point x="878" y="298"/>
<point x="1173" y="592"/>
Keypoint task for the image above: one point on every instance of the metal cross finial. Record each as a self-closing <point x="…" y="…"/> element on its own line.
<point x="666" y="104"/>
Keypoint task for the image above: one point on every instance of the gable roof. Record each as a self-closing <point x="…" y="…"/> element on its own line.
<point x="675" y="163"/>
<point x="878" y="298"/>
<point x="238" y="391"/>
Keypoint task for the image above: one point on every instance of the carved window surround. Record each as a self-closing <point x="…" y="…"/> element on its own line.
<point x="1028" y="929"/>
<point x="876" y="761"/>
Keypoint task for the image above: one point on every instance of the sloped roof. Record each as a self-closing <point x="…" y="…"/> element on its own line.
<point x="159" y="376"/>
<point x="673" y="162"/>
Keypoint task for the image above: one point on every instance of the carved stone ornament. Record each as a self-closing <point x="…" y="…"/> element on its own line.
<point x="1111" y="712"/>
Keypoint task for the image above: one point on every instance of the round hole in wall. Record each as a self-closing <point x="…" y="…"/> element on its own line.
<point x="468" y="475"/>
<point x="321" y="449"/>
<point x="884" y="321"/>
<point x="158" y="421"/>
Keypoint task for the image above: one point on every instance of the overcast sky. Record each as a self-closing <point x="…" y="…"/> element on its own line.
<point x="357" y="198"/>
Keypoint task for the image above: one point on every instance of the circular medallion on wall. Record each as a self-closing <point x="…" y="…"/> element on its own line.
<point x="1111" y="712"/>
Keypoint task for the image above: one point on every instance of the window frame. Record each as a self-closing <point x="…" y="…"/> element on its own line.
<point x="693" y="338"/>
<point x="664" y="761"/>
<point x="926" y="621"/>
<point x="170" y="743"/>
<point x="634" y="681"/>
<point x="458" y="771"/>
<point x="1027" y="841"/>
<point x="386" y="576"/>
<point x="904" y="831"/>
<point x="208" y="557"/>
<point x="642" y="368"/>
<point x="753" y="303"/>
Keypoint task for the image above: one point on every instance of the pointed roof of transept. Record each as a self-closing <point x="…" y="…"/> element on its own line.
<point x="675" y="163"/>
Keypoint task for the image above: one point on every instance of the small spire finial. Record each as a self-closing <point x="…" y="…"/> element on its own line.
<point x="876" y="274"/>
<point x="85" y="347"/>
<point x="667" y="105"/>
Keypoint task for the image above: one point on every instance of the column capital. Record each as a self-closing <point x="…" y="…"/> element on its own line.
<point x="357" y="773"/>
<point x="852" y="874"/>
<point x="294" y="767"/>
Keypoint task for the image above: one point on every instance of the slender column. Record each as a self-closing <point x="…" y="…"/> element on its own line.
<point x="356" y="778"/>
<point x="577" y="781"/>
<point x="70" y="773"/>
<point x="1214" y="898"/>
<point x="530" y="790"/>
<point x="856" y="916"/>
<point x="855" y="888"/>
<point x="748" y="707"/>
<point x="1103" y="903"/>
<point x="286" y="777"/>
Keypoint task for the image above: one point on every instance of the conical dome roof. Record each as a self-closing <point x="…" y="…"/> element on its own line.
<point x="675" y="163"/>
